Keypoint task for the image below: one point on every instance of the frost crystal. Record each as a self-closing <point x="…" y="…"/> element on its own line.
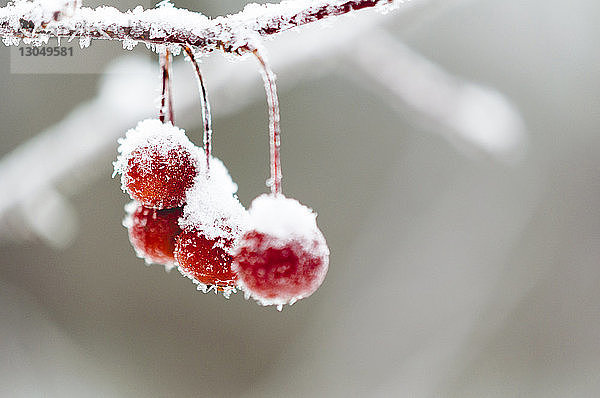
<point x="151" y="133"/>
<point x="212" y="207"/>
<point x="11" y="41"/>
<point x="385" y="8"/>
<point x="165" y="21"/>
<point x="84" y="41"/>
<point x="282" y="217"/>
<point x="129" y="44"/>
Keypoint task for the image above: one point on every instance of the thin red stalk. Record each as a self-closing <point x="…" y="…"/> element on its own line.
<point x="163" y="92"/>
<point x="274" y="122"/>
<point x="166" y="98"/>
<point x="206" y="118"/>
<point x="169" y="87"/>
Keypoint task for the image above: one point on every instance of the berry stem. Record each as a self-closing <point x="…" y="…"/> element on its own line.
<point x="166" y="99"/>
<point x="169" y="87"/>
<point x="274" y="121"/>
<point x="207" y="122"/>
<point x="163" y="93"/>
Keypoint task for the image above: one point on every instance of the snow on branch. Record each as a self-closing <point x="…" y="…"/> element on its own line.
<point x="35" y="22"/>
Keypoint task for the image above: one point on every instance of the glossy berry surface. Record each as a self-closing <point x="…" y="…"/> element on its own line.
<point x="208" y="261"/>
<point x="153" y="233"/>
<point x="276" y="271"/>
<point x="159" y="178"/>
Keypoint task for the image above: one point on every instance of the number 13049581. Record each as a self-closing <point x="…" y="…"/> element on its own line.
<point x="56" y="51"/>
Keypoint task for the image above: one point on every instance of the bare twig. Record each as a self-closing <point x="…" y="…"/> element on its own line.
<point x="170" y="25"/>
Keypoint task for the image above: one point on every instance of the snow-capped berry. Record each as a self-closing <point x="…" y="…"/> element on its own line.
<point x="160" y="180"/>
<point x="283" y="256"/>
<point x="152" y="232"/>
<point x="157" y="163"/>
<point x="213" y="220"/>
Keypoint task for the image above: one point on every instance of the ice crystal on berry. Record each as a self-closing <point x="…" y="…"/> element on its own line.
<point x="206" y="261"/>
<point x="157" y="163"/>
<point x="212" y="207"/>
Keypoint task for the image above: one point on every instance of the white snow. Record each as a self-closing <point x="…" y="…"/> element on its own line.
<point x="226" y="290"/>
<point x="129" y="208"/>
<point x="220" y="174"/>
<point x="161" y="21"/>
<point x="166" y="20"/>
<point x="211" y="206"/>
<point x="85" y="41"/>
<point x="129" y="44"/>
<point x="154" y="134"/>
<point x="283" y="218"/>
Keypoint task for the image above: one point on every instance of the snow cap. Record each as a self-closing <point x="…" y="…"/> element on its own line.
<point x="151" y="133"/>
<point x="283" y="218"/>
<point x="212" y="207"/>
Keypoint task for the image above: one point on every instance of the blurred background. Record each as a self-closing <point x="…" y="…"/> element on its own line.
<point x="450" y="149"/>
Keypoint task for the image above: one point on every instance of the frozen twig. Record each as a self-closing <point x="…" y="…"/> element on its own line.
<point x="167" y="25"/>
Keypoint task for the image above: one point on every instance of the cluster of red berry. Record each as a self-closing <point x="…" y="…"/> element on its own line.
<point x="186" y="214"/>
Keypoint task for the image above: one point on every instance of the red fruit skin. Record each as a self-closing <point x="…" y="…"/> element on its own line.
<point x="279" y="272"/>
<point x="208" y="261"/>
<point x="153" y="233"/>
<point x="157" y="179"/>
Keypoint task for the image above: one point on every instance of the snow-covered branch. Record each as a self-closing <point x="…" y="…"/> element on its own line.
<point x="35" y="23"/>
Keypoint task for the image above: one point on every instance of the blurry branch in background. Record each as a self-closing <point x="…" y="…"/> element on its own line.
<point x="460" y="110"/>
<point x="464" y="111"/>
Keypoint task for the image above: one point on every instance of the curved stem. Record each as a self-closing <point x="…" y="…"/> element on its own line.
<point x="274" y="122"/>
<point x="166" y="99"/>
<point x="163" y="91"/>
<point x="169" y="87"/>
<point x="207" y="122"/>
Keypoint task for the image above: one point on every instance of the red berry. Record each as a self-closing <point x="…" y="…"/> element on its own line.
<point x="158" y="164"/>
<point x="213" y="221"/>
<point x="153" y="232"/>
<point x="283" y="257"/>
<point x="160" y="179"/>
<point x="207" y="261"/>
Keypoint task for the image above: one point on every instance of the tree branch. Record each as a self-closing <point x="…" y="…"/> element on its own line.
<point x="168" y="25"/>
